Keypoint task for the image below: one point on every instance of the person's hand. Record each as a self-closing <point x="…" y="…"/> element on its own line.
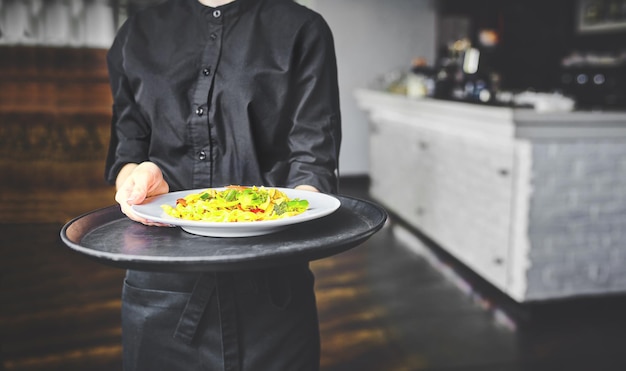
<point x="305" y="187"/>
<point x="135" y="183"/>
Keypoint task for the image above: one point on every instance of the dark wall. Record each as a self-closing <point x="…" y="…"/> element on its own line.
<point x="535" y="36"/>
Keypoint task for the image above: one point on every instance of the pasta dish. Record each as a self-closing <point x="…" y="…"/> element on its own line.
<point x="236" y="204"/>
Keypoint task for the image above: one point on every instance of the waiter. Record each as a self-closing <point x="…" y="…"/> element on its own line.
<point x="206" y="94"/>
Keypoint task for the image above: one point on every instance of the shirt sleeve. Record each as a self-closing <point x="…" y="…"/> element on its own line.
<point x="315" y="135"/>
<point x="130" y="131"/>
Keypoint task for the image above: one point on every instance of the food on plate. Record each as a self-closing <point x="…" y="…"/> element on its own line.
<point x="236" y="204"/>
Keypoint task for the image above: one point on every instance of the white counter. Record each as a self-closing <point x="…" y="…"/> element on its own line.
<point x="533" y="202"/>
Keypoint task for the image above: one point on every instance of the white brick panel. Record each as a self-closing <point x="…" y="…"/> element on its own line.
<point x="534" y="203"/>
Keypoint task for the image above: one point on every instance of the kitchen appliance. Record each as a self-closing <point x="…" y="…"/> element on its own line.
<point x="595" y="82"/>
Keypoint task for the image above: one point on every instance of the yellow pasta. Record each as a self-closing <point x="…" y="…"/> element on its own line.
<point x="236" y="204"/>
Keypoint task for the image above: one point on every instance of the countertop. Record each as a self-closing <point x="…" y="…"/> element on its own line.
<point x="498" y="120"/>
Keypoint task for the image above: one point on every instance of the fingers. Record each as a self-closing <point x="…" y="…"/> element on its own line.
<point x="126" y="208"/>
<point x="125" y="196"/>
<point x="306" y="187"/>
<point x="135" y="187"/>
<point x="148" y="182"/>
<point x="144" y="181"/>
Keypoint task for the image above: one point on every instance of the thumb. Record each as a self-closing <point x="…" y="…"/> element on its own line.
<point x="137" y="195"/>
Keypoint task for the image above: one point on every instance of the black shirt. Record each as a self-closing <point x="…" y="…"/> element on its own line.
<point x="245" y="93"/>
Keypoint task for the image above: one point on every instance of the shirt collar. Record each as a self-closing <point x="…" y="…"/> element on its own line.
<point x="231" y="9"/>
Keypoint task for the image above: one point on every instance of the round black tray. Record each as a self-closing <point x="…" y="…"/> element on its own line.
<point x="111" y="238"/>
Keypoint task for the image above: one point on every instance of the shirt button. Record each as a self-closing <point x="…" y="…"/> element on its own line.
<point x="202" y="155"/>
<point x="217" y="13"/>
<point x="206" y="71"/>
<point x="213" y="36"/>
<point x="199" y="111"/>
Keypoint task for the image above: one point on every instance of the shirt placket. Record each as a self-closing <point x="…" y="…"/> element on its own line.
<point x="201" y="126"/>
<point x="202" y="135"/>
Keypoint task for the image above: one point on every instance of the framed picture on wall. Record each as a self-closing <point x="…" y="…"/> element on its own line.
<point x="601" y="16"/>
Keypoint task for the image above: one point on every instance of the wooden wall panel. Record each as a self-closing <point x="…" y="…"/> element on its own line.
<point x="55" y="113"/>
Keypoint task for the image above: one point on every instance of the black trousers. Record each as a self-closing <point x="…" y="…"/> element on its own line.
<point x="231" y="321"/>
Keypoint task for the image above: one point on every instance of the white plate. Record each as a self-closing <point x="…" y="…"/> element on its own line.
<point x="320" y="204"/>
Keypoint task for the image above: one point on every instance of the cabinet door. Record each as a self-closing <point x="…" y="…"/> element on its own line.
<point x="456" y="189"/>
<point x="466" y="199"/>
<point x="393" y="173"/>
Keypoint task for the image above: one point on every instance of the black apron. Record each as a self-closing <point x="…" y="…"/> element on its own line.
<point x="230" y="321"/>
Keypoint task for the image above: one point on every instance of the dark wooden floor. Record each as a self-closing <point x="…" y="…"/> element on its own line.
<point x="382" y="306"/>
